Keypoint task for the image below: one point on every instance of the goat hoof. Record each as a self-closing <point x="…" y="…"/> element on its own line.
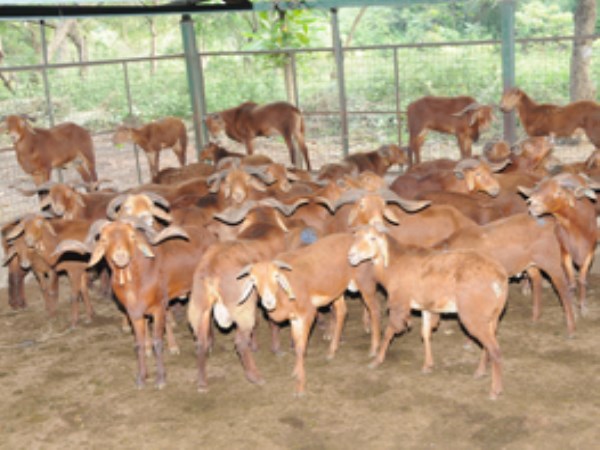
<point x="584" y="311"/>
<point x="300" y="394"/>
<point x="160" y="385"/>
<point x="202" y="389"/>
<point x="330" y="356"/>
<point x="374" y="364"/>
<point x="494" y="395"/>
<point x="426" y="370"/>
<point x="479" y="374"/>
<point x="174" y="351"/>
<point x="139" y="384"/>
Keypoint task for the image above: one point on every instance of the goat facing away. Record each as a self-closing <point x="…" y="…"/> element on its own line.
<point x="153" y="137"/>
<point x="461" y="116"/>
<point x="249" y="120"/>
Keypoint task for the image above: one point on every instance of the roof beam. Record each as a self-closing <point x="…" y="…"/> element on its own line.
<point x="45" y="11"/>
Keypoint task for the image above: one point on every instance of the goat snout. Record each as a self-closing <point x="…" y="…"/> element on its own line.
<point x="353" y="257"/>
<point x="238" y="195"/>
<point x="268" y="300"/>
<point x="121" y="257"/>
<point x="535" y="207"/>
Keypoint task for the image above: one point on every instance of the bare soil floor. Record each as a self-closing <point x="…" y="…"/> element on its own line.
<point x="63" y="388"/>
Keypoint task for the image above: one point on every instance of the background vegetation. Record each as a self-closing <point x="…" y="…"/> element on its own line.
<point x="96" y="96"/>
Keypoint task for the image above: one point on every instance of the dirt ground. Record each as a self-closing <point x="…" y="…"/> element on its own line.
<point x="63" y="388"/>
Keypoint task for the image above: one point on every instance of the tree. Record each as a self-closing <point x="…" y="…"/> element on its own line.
<point x="581" y="57"/>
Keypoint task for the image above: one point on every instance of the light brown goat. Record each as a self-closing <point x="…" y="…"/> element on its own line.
<point x="250" y="120"/>
<point x="296" y="283"/>
<point x="521" y="243"/>
<point x="461" y="116"/>
<point x="463" y="282"/>
<point x="545" y="119"/>
<point x="39" y="150"/>
<point x="153" y="137"/>
<point x="568" y="198"/>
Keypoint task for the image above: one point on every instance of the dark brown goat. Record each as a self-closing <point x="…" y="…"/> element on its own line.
<point x="39" y="150"/>
<point x="545" y="119"/>
<point x="250" y="120"/>
<point x="461" y="116"/>
<point x="153" y="137"/>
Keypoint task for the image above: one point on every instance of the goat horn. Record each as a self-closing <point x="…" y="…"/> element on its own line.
<point x="407" y="205"/>
<point x="349" y="196"/>
<point x="161" y="214"/>
<point x="470" y="107"/>
<point x="235" y="214"/>
<point x="171" y="231"/>
<point x="498" y="166"/>
<point x="527" y="192"/>
<point x="114" y="205"/>
<point x="69" y="245"/>
<point x="11" y="253"/>
<point x="282" y="265"/>
<point x="261" y="173"/>
<point x="285" y="209"/>
<point x="94" y="230"/>
<point x="158" y="199"/>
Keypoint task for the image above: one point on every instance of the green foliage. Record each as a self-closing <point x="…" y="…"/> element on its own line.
<point x="541" y="18"/>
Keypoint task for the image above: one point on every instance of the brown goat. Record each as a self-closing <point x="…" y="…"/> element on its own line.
<point x="461" y="116"/>
<point x="217" y="291"/>
<point x="296" y="283"/>
<point x="16" y="274"/>
<point x="174" y="175"/>
<point x="564" y="197"/>
<point x="249" y="120"/>
<point x="380" y="160"/>
<point x="39" y="150"/>
<point x="148" y="269"/>
<point x="153" y="137"/>
<point x="545" y="119"/>
<point x="464" y="282"/>
<point x="522" y="243"/>
<point x="41" y="237"/>
<point x="468" y="175"/>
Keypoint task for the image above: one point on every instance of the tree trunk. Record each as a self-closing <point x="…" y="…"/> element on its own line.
<point x="354" y="25"/>
<point x="585" y="19"/>
<point x="60" y="33"/>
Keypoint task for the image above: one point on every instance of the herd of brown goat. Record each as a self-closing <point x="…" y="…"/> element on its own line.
<point x="243" y="233"/>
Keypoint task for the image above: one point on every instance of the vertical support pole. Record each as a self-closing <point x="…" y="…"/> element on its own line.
<point x="339" y="64"/>
<point x="507" y="9"/>
<point x="398" y="99"/>
<point x="47" y="84"/>
<point x="195" y="81"/>
<point x="136" y="150"/>
<point x="294" y="79"/>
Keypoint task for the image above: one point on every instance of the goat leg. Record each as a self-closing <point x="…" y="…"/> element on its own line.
<point x="139" y="328"/>
<point x="243" y="346"/>
<point x="157" y="345"/>
<point x="341" y="310"/>
<point x="16" y="285"/>
<point x="300" y="331"/>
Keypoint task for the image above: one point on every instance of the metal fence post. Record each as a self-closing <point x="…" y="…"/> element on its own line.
<point x="398" y="99"/>
<point x="195" y="80"/>
<point x="136" y="150"/>
<point x="507" y="9"/>
<point x="47" y="84"/>
<point x="339" y="64"/>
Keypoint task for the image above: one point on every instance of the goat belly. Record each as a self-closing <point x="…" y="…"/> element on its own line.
<point x="446" y="304"/>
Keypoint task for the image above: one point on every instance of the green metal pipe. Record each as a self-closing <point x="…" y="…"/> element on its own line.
<point x="507" y="9"/>
<point x="195" y="79"/>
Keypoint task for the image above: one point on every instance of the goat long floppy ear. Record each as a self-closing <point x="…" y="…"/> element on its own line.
<point x="97" y="254"/>
<point x="11" y="253"/>
<point x="527" y="192"/>
<point x="285" y="285"/>
<point x="246" y="291"/>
